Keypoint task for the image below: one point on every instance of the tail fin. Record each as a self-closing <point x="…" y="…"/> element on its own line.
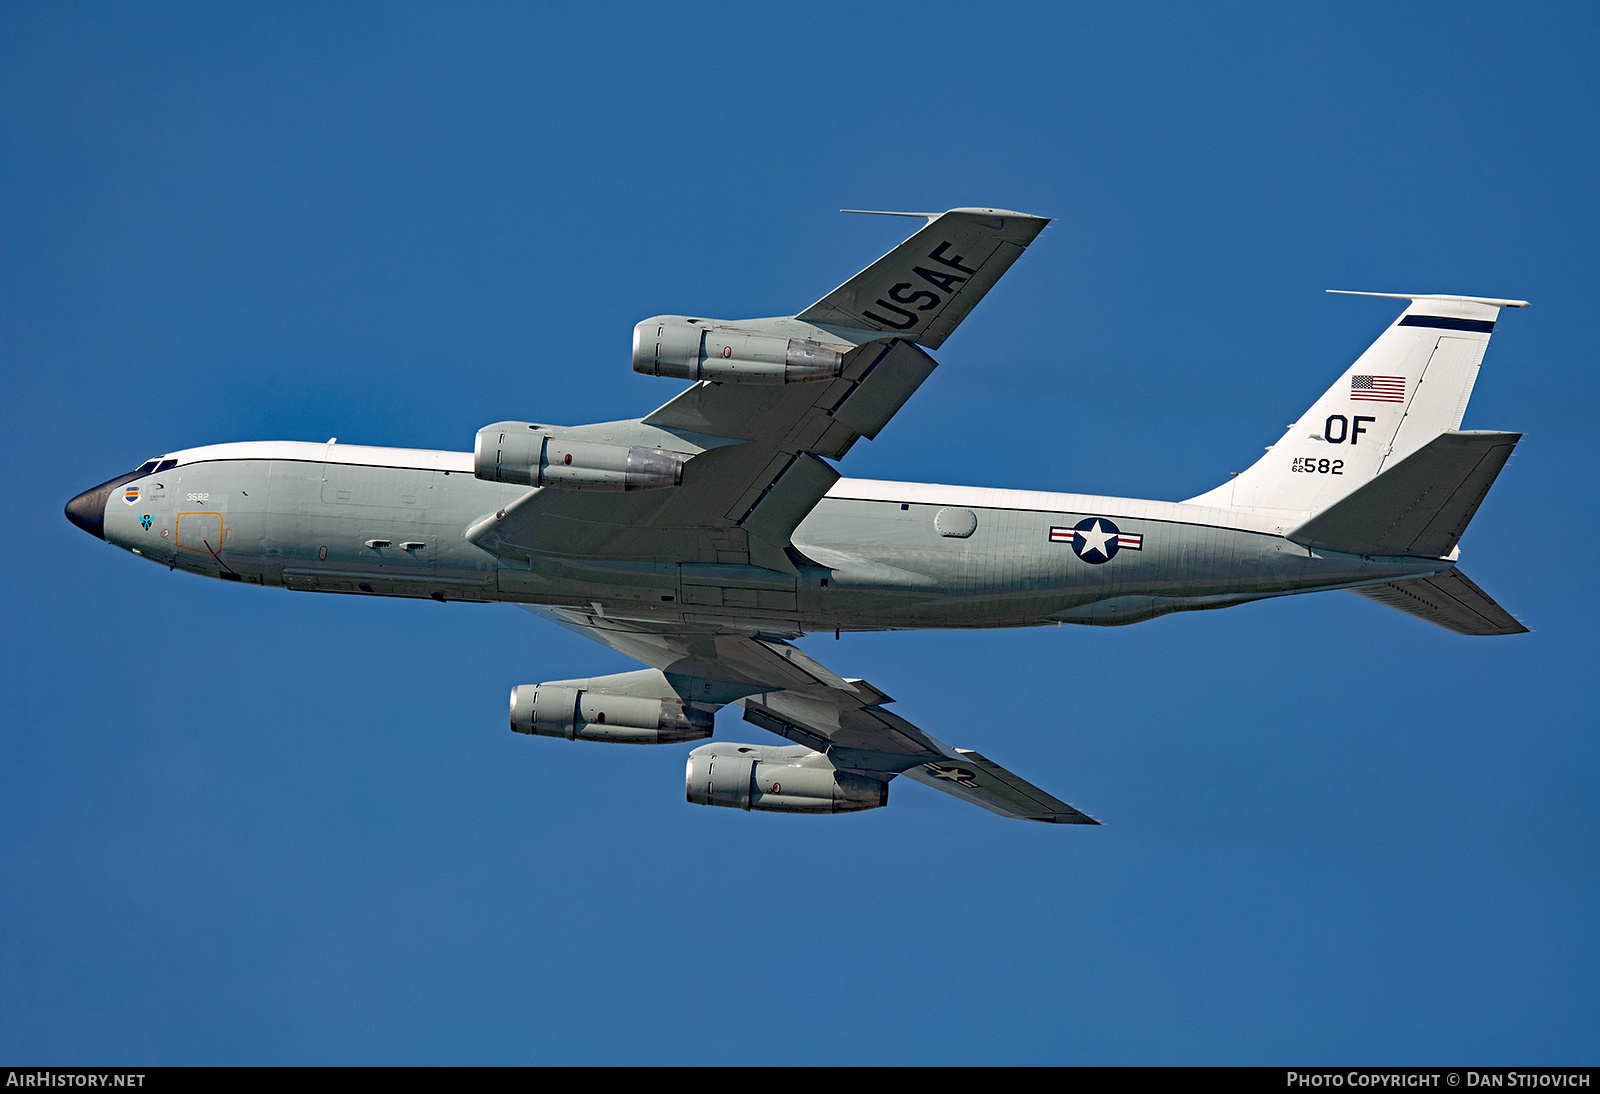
<point x="1410" y="386"/>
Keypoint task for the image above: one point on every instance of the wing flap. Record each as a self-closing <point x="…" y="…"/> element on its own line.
<point x="857" y="733"/>
<point x="795" y="491"/>
<point x="891" y="379"/>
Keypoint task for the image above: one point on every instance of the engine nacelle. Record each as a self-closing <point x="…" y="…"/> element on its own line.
<point x="705" y="349"/>
<point x="583" y="714"/>
<point x="792" y="779"/>
<point x="531" y="455"/>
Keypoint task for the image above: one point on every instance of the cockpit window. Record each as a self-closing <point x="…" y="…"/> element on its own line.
<point x="165" y="464"/>
<point x="146" y="468"/>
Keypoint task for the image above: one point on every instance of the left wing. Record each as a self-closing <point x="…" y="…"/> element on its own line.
<point x="842" y="721"/>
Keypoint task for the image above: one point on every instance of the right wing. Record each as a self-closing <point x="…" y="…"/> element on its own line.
<point x="759" y="472"/>
<point x="759" y="466"/>
<point x="920" y="290"/>
<point x="788" y="693"/>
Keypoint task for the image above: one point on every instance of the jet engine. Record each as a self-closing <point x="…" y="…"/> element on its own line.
<point x="792" y="779"/>
<point x="705" y="349"/>
<point x="584" y="714"/>
<point x="531" y="455"/>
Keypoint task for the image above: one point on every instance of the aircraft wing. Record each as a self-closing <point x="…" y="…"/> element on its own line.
<point x="789" y="693"/>
<point x="924" y="287"/>
<point x="740" y="501"/>
<point x="761" y="449"/>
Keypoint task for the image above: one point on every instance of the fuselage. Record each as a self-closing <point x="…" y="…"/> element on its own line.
<point x="872" y="555"/>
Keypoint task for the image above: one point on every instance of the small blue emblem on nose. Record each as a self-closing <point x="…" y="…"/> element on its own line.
<point x="146" y="521"/>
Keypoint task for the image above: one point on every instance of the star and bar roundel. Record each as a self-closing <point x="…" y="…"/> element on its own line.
<point x="1096" y="539"/>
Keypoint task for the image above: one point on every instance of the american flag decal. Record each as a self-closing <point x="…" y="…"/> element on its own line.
<point x="1378" y="389"/>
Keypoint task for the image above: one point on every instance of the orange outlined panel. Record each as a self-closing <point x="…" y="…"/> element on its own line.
<point x="199" y="532"/>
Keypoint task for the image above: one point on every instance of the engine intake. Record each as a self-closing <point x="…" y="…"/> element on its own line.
<point x="585" y="714"/>
<point x="705" y="349"/>
<point x="792" y="779"/>
<point x="531" y="455"/>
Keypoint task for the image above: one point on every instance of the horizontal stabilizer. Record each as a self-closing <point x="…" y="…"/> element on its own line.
<point x="1420" y="506"/>
<point x="1449" y="600"/>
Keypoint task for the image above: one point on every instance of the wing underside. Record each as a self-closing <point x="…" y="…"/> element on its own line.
<point x="788" y="693"/>
<point x="756" y="453"/>
<point x="753" y="461"/>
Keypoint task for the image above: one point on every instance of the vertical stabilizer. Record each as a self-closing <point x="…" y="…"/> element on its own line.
<point x="1410" y="386"/>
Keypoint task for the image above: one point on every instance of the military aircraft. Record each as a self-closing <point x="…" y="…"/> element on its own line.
<point x="703" y="538"/>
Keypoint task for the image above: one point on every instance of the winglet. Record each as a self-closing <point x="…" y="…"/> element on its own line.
<point x="1487" y="301"/>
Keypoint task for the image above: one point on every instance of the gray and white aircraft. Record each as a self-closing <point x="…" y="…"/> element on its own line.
<point x="705" y="537"/>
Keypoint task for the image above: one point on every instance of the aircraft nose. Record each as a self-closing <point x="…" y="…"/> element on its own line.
<point x="88" y="509"/>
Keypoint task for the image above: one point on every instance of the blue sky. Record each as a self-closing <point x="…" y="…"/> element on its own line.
<point x="261" y="826"/>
